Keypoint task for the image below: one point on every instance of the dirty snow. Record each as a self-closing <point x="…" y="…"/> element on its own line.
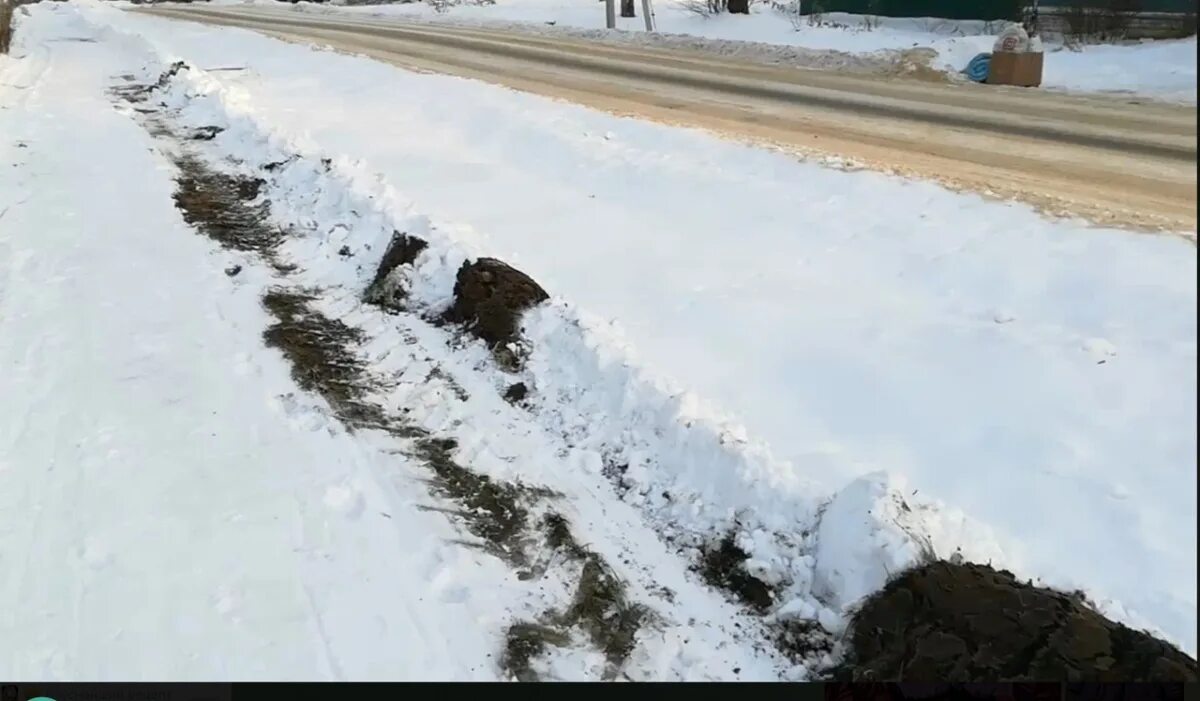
<point x="783" y="354"/>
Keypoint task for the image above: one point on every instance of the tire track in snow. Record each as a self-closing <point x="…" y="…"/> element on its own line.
<point x="328" y="654"/>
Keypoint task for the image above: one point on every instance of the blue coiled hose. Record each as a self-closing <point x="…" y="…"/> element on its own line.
<point x="977" y="69"/>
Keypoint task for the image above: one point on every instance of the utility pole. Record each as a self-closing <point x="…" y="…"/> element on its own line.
<point x="648" y="14"/>
<point x="610" y="13"/>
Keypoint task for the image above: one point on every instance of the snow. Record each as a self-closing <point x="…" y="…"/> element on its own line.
<point x="843" y="536"/>
<point x="163" y="502"/>
<point x="848" y="339"/>
<point x="781" y="361"/>
<point x="173" y="507"/>
<point x="1164" y="70"/>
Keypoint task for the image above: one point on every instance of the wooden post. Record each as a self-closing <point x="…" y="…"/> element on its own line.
<point x="648" y="13"/>
<point x="627" y="9"/>
<point x="610" y="13"/>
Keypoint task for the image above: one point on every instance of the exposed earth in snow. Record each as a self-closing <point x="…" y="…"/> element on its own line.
<point x="218" y="437"/>
<point x="1158" y="69"/>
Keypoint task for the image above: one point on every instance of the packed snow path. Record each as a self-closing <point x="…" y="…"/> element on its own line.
<point x="161" y="473"/>
<point x="170" y="509"/>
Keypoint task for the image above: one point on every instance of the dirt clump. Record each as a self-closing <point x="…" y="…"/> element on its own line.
<point x="967" y="623"/>
<point x="384" y="289"/>
<point x="723" y="566"/>
<point x="489" y="298"/>
<point x="516" y="392"/>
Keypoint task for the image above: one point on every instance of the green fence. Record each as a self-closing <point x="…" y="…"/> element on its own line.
<point x="948" y="9"/>
<point x="1180" y="6"/>
<point x="972" y="9"/>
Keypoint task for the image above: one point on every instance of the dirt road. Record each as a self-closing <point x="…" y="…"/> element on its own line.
<point x="1110" y="160"/>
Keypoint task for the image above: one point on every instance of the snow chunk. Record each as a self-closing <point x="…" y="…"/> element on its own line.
<point x="866" y="534"/>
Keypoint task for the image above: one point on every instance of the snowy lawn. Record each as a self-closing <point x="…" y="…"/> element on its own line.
<point x="1039" y="375"/>
<point x="1158" y="69"/>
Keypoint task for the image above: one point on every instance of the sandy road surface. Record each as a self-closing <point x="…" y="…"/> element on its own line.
<point x="1110" y="160"/>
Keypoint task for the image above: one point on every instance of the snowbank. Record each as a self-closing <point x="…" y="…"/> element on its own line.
<point x="1161" y="69"/>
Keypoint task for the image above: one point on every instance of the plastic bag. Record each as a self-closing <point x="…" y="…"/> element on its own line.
<point x="1014" y="40"/>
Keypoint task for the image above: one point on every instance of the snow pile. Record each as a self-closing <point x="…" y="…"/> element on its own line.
<point x="843" y="536"/>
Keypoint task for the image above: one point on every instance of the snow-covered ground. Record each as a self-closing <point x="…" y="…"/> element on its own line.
<point x="168" y="510"/>
<point x="1158" y="69"/>
<point x="172" y="506"/>
<point x="801" y="334"/>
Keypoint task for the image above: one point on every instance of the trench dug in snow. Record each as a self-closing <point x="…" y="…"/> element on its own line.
<point x="943" y="620"/>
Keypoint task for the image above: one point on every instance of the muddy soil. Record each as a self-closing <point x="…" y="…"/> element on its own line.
<point x="489" y="298"/>
<point x="387" y="290"/>
<point x="966" y="622"/>
<point x="600" y="610"/>
<point x="723" y="566"/>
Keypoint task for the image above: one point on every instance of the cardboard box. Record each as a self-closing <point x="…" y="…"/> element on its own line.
<point x="1024" y="69"/>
